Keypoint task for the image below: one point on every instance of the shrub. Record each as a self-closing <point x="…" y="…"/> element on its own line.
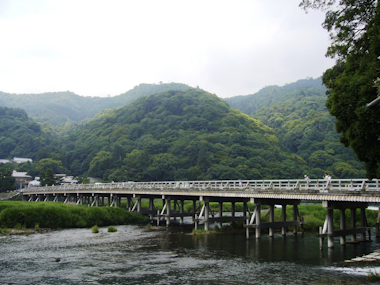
<point x="112" y="229"/>
<point x="95" y="229"/>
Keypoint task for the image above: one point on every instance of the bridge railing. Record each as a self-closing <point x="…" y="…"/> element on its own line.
<point x="343" y="185"/>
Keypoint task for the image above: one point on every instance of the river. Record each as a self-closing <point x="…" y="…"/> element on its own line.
<point x="136" y="255"/>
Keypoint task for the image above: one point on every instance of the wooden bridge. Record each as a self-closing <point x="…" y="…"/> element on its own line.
<point x="339" y="194"/>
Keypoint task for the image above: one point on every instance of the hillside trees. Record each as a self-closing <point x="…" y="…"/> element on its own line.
<point x="304" y="127"/>
<point x="178" y="135"/>
<point x="7" y="182"/>
<point x="20" y="136"/>
<point x="354" y="28"/>
<point x="64" y="109"/>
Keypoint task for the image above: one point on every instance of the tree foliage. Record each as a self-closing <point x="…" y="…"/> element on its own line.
<point x="20" y="135"/>
<point x="178" y="135"/>
<point x="303" y="125"/>
<point x="64" y="109"/>
<point x="7" y="182"/>
<point x="354" y="27"/>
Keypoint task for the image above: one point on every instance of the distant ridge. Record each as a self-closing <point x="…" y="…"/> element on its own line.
<point x="58" y="108"/>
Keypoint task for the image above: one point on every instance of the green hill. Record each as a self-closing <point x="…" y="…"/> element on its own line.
<point x="178" y="135"/>
<point x="303" y="125"/>
<point x="20" y="136"/>
<point x="59" y="108"/>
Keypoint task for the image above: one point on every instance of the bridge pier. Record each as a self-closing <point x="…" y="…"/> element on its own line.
<point x="328" y="227"/>
<point x="255" y="220"/>
<point x="355" y="192"/>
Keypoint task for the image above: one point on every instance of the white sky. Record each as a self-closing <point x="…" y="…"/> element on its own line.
<point x="106" y="47"/>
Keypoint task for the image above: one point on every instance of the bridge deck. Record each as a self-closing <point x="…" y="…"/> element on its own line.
<point x="350" y="190"/>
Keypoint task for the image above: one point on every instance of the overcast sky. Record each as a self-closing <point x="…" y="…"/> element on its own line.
<point x="106" y="47"/>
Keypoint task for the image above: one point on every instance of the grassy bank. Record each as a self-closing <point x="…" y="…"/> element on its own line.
<point x="17" y="214"/>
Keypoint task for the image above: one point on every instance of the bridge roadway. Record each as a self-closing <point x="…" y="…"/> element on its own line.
<point x="339" y="194"/>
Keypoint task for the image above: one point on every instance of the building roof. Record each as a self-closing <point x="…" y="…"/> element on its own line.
<point x="16" y="174"/>
<point x="22" y="160"/>
<point x="34" y="183"/>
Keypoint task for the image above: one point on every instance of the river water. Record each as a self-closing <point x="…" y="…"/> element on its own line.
<point x="136" y="255"/>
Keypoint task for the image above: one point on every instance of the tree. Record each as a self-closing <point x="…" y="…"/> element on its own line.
<point x="48" y="163"/>
<point x="354" y="28"/>
<point x="7" y="182"/>
<point x="48" y="178"/>
<point x="100" y="163"/>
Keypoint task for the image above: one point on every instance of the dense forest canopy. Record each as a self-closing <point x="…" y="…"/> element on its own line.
<point x="21" y="136"/>
<point x="354" y="27"/>
<point x="299" y="117"/>
<point x="191" y="135"/>
<point x="179" y="135"/>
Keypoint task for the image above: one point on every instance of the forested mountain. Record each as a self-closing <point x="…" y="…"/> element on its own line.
<point x="186" y="134"/>
<point x="250" y="104"/>
<point x="21" y="136"/>
<point x="178" y="135"/>
<point x="303" y="125"/>
<point x="58" y="108"/>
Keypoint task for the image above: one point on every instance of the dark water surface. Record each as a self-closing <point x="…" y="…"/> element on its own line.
<point x="135" y="255"/>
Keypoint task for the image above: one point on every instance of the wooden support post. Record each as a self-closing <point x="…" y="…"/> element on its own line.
<point x="220" y="213"/>
<point x="181" y="210"/>
<point x="321" y="238"/>
<point x="129" y="203"/>
<point x="207" y="209"/>
<point x="97" y="200"/>
<point x="295" y="218"/>
<point x="138" y="204"/>
<point x="363" y="222"/>
<point x="330" y="227"/>
<point x="151" y="203"/>
<point x="343" y="225"/>
<point x="233" y="209"/>
<point x="377" y="230"/>
<point x="195" y="214"/>
<point x="258" y="221"/>
<point x="175" y="208"/>
<point x="168" y="211"/>
<point x="283" y="229"/>
<point x="353" y="223"/>
<point x="271" y="219"/>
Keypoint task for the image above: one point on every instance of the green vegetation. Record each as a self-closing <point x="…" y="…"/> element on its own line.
<point x="62" y="108"/>
<point x="200" y="232"/>
<point x="17" y="214"/>
<point x="189" y="135"/>
<point x="179" y="135"/>
<point x="95" y="229"/>
<point x="303" y="125"/>
<point x="112" y="229"/>
<point x="20" y="135"/>
<point x="353" y="81"/>
<point x="7" y="182"/>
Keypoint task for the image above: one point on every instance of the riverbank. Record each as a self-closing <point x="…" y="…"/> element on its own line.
<point x="19" y="215"/>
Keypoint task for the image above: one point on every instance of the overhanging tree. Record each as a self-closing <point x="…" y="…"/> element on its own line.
<point x="354" y="27"/>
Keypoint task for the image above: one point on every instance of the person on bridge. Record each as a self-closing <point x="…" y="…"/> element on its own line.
<point x="327" y="177"/>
